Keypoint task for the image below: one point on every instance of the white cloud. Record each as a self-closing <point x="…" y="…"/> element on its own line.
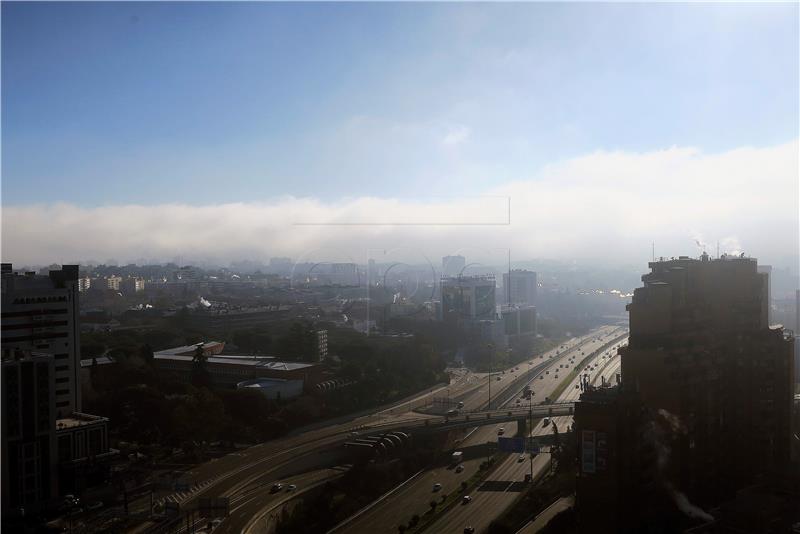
<point x="608" y="205"/>
<point x="456" y="135"/>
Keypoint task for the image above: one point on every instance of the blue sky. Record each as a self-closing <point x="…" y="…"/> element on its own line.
<point x="200" y="103"/>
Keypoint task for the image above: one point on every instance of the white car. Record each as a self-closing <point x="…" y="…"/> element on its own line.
<point x="437" y="487"/>
<point x="466" y="499"/>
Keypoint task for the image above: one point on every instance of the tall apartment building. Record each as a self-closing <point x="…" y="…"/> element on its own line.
<point x="49" y="447"/>
<point x="714" y="384"/>
<point x="321" y="345"/>
<point x="468" y="298"/>
<point x="29" y="459"/>
<point x="519" y="287"/>
<point x="40" y="313"/>
<point x="453" y="265"/>
<point x="113" y="282"/>
<point x="84" y="283"/>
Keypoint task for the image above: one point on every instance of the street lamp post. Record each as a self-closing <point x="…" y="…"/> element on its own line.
<point x="530" y="428"/>
<point x="491" y="351"/>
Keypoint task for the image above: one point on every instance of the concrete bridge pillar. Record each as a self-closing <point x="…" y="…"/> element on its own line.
<point x="522" y="426"/>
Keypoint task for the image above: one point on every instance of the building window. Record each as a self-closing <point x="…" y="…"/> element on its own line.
<point x="64" y="449"/>
<point x="62" y="404"/>
<point x="62" y="392"/>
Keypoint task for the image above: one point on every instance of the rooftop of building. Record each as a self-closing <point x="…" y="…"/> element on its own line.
<point x="703" y="258"/>
<point x="77" y="419"/>
<point x="190" y="349"/>
<point x="600" y="394"/>
<point x="264" y="362"/>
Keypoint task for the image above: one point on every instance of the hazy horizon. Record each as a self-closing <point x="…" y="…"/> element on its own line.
<point x="225" y="132"/>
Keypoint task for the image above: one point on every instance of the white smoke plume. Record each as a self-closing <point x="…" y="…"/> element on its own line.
<point x="658" y="432"/>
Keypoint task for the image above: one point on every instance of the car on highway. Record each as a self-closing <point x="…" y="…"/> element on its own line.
<point x="437" y="487"/>
<point x="95" y="505"/>
<point x="499" y="379"/>
<point x="577" y="386"/>
<point x="546" y="421"/>
<point x="469" y="530"/>
<point x="521" y="458"/>
<point x="501" y="431"/>
<point x="459" y="468"/>
<point x="466" y="499"/>
<point x="276" y="487"/>
<point x="291" y="487"/>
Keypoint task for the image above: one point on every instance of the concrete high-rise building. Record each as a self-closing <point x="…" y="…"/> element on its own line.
<point x="29" y="459"/>
<point x="321" y="345"/>
<point x="519" y="287"/>
<point x="84" y="283"/>
<point x="40" y="313"/>
<point x="453" y="265"/>
<point x="113" y="282"/>
<point x="49" y="447"/>
<point x="767" y="270"/>
<point x="714" y="384"/>
<point x="468" y="298"/>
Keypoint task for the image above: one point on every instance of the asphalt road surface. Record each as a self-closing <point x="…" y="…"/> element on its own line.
<point x="504" y="485"/>
<point x="414" y="496"/>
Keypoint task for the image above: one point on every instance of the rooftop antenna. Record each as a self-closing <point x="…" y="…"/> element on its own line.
<point x="717" y="248"/>
<point x="654" y="251"/>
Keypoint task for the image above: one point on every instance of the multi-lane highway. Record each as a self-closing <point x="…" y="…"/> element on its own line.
<point x="504" y="484"/>
<point x="414" y="497"/>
